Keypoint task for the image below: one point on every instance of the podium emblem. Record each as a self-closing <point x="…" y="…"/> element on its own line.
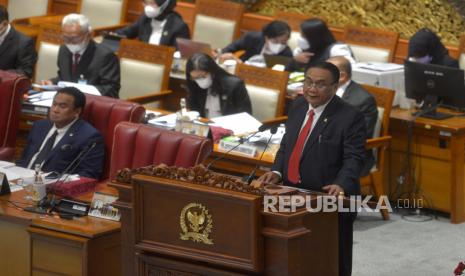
<point x="196" y="223"/>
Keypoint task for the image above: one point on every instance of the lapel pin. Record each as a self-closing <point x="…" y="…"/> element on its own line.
<point x="71" y="134"/>
<point x="165" y="33"/>
<point x="325" y="120"/>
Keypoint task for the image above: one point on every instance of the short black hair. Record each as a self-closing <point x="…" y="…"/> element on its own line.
<point x="79" y="97"/>
<point x="335" y="73"/>
<point x="276" y="28"/>
<point x="3" y="14"/>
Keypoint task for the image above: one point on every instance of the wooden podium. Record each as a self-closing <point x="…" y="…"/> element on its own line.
<point x="173" y="227"/>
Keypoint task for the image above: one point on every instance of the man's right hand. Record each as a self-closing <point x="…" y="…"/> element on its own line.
<point x="270" y="178"/>
<point x="303" y="57"/>
<point x="46" y="82"/>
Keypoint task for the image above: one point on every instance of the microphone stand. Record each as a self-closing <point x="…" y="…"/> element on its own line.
<point x="250" y="177"/>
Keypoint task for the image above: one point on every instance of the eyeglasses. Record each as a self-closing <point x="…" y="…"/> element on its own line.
<point x="318" y="85"/>
<point x="72" y="39"/>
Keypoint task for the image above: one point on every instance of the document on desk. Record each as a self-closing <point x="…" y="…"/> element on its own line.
<point x="15" y="172"/>
<point x="89" y="89"/>
<point x="240" y="123"/>
<point x="168" y="121"/>
<point x="380" y="66"/>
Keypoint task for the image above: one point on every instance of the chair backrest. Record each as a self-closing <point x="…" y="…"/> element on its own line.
<point x="266" y="88"/>
<point x="105" y="113"/>
<point x="137" y="145"/>
<point x="103" y="13"/>
<point x="217" y="22"/>
<point x="12" y="88"/>
<point x="384" y="98"/>
<point x="47" y="46"/>
<point x="145" y="68"/>
<point x="369" y="44"/>
<point x="293" y="19"/>
<point x="25" y="8"/>
<point x="461" y="56"/>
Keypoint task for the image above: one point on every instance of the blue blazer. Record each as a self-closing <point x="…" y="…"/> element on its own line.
<point x="335" y="150"/>
<point x="80" y="136"/>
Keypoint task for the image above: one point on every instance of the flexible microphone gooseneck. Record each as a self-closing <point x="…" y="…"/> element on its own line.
<point x="249" y="178"/>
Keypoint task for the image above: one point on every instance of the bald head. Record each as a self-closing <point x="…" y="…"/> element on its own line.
<point x="344" y="67"/>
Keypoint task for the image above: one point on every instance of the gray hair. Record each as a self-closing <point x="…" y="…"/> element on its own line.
<point x="80" y="19"/>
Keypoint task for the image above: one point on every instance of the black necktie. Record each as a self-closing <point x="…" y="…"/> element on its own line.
<point x="46" y="149"/>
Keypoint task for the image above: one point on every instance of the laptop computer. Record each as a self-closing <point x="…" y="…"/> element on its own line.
<point x="189" y="47"/>
<point x="272" y="60"/>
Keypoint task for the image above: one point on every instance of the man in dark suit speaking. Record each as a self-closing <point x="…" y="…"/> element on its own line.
<point x="83" y="60"/>
<point x="323" y="148"/>
<point x="355" y="95"/>
<point x="56" y="142"/>
<point x="17" y="52"/>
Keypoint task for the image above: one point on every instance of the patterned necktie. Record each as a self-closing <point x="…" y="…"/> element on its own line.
<point x="293" y="174"/>
<point x="46" y="149"/>
<point x="75" y="63"/>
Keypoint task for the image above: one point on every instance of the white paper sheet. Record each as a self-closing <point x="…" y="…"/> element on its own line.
<point x="239" y="123"/>
<point x="89" y="89"/>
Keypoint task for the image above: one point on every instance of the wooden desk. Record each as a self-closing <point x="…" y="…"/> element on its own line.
<point x="33" y="244"/>
<point x="438" y="160"/>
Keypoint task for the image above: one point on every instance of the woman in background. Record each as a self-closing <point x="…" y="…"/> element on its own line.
<point x="272" y="40"/>
<point x="316" y="44"/>
<point x="426" y="47"/>
<point x="212" y="91"/>
<point x="159" y="25"/>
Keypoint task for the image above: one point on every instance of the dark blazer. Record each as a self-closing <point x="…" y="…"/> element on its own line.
<point x="233" y="96"/>
<point x="78" y="138"/>
<point x="335" y="150"/>
<point x="17" y="53"/>
<point x="174" y="27"/>
<point x="363" y="101"/>
<point x="98" y="65"/>
<point x="252" y="43"/>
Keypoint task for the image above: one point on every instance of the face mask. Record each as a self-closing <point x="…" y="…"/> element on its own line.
<point x="425" y="60"/>
<point x="204" y="83"/>
<point x="275" y="48"/>
<point x="76" y="48"/>
<point x="303" y="43"/>
<point x="151" y="12"/>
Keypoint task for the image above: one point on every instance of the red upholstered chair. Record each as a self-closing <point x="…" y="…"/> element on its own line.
<point x="137" y="145"/>
<point x="105" y="113"/>
<point x="12" y="88"/>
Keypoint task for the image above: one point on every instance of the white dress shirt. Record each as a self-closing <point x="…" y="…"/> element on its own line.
<point x="157" y="31"/>
<point x="342" y="89"/>
<point x="212" y="105"/>
<point x="61" y="133"/>
<point x="3" y="36"/>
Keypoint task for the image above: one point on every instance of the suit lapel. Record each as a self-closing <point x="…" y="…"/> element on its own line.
<point x="41" y="137"/>
<point x="7" y="42"/>
<point x="348" y="92"/>
<point x="297" y="124"/>
<point x="67" y="139"/>
<point x="323" y="121"/>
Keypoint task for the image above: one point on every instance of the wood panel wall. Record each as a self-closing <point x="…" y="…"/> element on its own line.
<point x="250" y="22"/>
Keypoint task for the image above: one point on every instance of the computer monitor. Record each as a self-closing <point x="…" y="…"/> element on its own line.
<point x="434" y="85"/>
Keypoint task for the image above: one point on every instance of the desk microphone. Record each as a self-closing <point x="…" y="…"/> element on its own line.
<point x="273" y="130"/>
<point x="242" y="141"/>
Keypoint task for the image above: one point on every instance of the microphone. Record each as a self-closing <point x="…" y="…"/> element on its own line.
<point x="242" y="141"/>
<point x="249" y="178"/>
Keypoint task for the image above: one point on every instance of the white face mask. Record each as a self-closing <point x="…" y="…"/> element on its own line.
<point x="76" y="48"/>
<point x="303" y="43"/>
<point x="204" y="83"/>
<point x="425" y="60"/>
<point x="151" y="12"/>
<point x="275" y="48"/>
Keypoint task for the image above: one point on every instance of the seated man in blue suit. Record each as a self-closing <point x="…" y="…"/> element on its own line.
<point x="54" y="143"/>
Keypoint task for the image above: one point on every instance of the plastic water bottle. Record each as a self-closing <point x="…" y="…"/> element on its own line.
<point x="38" y="187"/>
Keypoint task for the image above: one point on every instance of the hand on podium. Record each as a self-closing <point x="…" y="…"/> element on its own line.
<point x="334" y="190"/>
<point x="270" y="178"/>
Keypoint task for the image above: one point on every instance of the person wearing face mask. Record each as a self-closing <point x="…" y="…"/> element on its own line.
<point x="272" y="40"/>
<point x="159" y="25"/>
<point x="212" y="91"/>
<point x="317" y="44"/>
<point x="83" y="60"/>
<point x="426" y="47"/>
<point x="17" y="51"/>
